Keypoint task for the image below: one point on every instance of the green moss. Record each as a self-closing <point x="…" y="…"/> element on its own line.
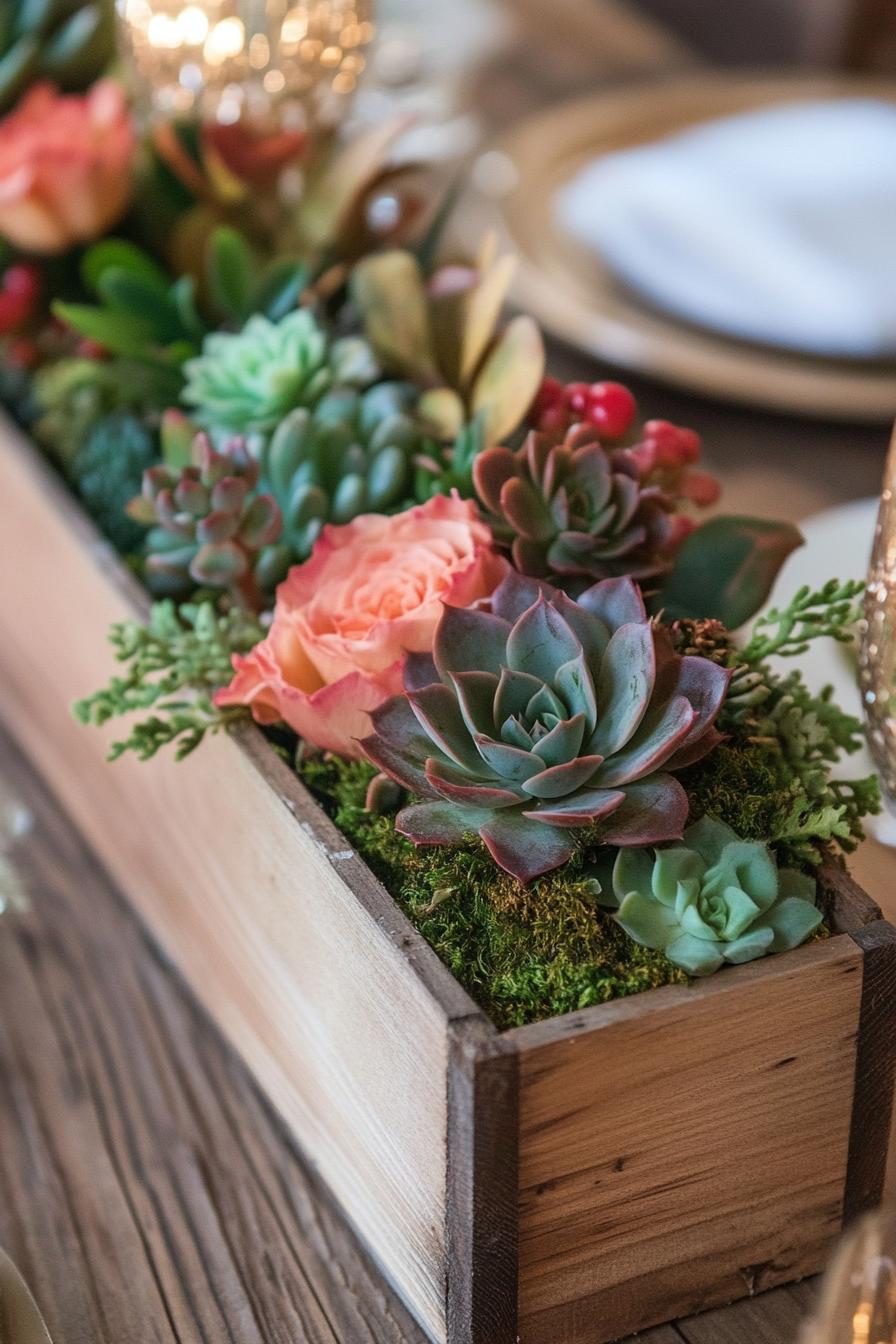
<point x="523" y="953"/>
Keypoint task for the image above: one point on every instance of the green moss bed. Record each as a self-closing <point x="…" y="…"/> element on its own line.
<point x="523" y="953"/>
<point x="527" y="953"/>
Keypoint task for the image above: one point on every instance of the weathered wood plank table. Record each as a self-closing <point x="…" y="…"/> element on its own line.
<point x="147" y="1193"/>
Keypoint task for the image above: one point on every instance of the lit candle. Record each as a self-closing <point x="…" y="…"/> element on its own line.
<point x="225" y="59"/>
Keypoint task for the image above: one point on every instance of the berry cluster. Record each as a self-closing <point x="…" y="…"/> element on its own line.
<point x="664" y="453"/>
<point x="608" y="407"/>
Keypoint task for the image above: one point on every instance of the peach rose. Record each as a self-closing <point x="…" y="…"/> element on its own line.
<point x="371" y="592"/>
<point x="65" y="167"/>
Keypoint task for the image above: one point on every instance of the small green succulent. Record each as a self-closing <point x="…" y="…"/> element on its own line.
<point x="251" y="379"/>
<point x="711" y="899"/>
<point x="352" y="454"/>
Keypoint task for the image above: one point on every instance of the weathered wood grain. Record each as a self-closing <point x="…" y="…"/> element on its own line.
<point x="146" y="1190"/>
<point x="481" y="1231"/>
<point x="873" y="1099"/>
<point x="685" y="1147"/>
<point x="336" y="1003"/>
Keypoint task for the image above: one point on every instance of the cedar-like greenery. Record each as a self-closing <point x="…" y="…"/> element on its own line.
<point x="173" y="666"/>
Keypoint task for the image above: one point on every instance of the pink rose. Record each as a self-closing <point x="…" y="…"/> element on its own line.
<point x="65" y="167"/>
<point x="371" y="592"/>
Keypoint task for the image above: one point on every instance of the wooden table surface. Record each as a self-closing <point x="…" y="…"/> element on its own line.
<point x="147" y="1192"/>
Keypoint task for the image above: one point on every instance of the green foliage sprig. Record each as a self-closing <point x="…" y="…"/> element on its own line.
<point x="792" y="737"/>
<point x="832" y="611"/>
<point x="175" y="663"/>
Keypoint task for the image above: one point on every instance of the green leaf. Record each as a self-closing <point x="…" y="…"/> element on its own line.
<point x="120" y="333"/>
<point x="121" y="255"/>
<point x="183" y="296"/>
<point x="726" y="568"/>
<point x="231" y="273"/>
<point x="389" y="289"/>
<point x="279" y="289"/>
<point x="78" y="49"/>
<point x="17" y="67"/>
<point x="135" y="296"/>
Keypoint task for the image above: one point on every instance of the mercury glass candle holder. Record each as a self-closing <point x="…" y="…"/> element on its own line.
<point x="857" y="1303"/>
<point x="877" y="641"/>
<point x="292" y="63"/>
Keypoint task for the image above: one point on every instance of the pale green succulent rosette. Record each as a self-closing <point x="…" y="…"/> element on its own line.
<point x="711" y="899"/>
<point x="251" y="379"/>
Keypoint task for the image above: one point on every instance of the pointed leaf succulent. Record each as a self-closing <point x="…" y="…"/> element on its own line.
<point x="443" y="333"/>
<point x="711" y="899"/>
<point x="574" y="511"/>
<point x="541" y="721"/>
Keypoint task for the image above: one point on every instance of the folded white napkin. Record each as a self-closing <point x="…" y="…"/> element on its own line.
<point x="777" y="225"/>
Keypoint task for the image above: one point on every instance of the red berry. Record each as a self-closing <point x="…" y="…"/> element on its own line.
<point x="548" y="405"/>
<point x="22" y="279"/>
<point x="611" y="408"/>
<point x="577" y="398"/>
<point x="19" y="288"/>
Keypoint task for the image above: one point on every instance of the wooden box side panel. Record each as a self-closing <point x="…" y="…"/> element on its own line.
<point x="337" y="1006"/>
<point x="689" y="1150"/>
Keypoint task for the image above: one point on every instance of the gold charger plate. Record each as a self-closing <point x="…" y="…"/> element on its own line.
<point x="577" y="299"/>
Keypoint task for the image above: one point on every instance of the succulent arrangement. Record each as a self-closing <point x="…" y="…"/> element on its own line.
<point x="477" y="609"/>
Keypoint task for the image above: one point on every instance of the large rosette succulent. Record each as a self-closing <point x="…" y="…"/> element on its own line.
<point x="571" y="509"/>
<point x="541" y="721"/>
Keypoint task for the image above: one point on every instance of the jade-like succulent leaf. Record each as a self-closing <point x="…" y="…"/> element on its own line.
<point x="509" y="378"/>
<point x="468" y="639"/>
<point x="388" y="287"/>
<point x="725" y="569"/>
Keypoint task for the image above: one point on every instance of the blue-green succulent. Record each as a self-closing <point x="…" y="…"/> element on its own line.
<point x="353" y="453"/>
<point x="251" y="379"/>
<point x="541" y="722"/>
<point x="711" y="899"/>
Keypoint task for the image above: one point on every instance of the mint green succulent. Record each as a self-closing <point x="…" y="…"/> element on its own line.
<point x="711" y="899"/>
<point x="251" y="379"/>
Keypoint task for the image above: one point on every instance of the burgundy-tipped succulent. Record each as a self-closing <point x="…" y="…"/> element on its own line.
<point x="573" y="511"/>
<point x="210" y="524"/>
<point x="541" y="721"/>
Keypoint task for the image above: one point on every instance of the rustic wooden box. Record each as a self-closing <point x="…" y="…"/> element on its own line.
<point x="563" y="1183"/>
